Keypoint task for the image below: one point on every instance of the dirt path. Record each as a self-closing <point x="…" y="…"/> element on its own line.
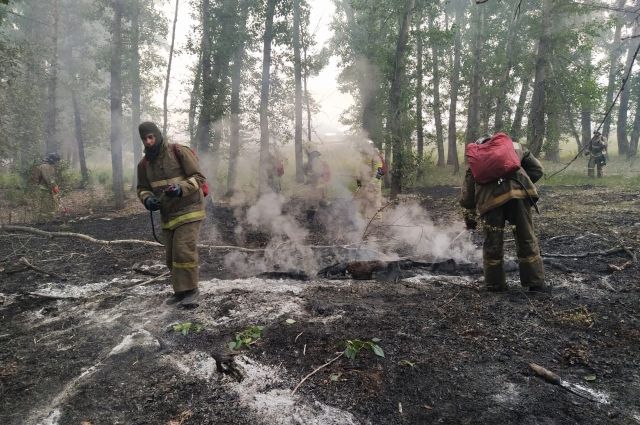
<point x="88" y="347"/>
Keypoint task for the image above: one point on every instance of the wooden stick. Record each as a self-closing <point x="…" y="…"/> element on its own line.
<point x="315" y="371"/>
<point x="587" y="254"/>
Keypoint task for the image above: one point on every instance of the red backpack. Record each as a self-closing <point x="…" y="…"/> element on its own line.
<point x="174" y="146"/>
<point x="492" y="160"/>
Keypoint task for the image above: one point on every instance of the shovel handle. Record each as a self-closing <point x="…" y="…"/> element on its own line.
<point x="545" y="374"/>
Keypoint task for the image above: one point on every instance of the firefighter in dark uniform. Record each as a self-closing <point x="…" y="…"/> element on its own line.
<point x="43" y="176"/>
<point x="170" y="180"/>
<point x="596" y="151"/>
<point x="507" y="199"/>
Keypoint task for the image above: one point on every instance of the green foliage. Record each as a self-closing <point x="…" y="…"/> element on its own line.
<point x="246" y="338"/>
<point x="354" y="346"/>
<point x="185" y="327"/>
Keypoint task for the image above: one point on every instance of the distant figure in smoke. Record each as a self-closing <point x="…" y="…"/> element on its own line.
<point x="317" y="174"/>
<point x="43" y="176"/>
<point x="597" y="153"/>
<point x="371" y="169"/>
<point x="170" y="180"/>
<point x="506" y="198"/>
<point x="275" y="171"/>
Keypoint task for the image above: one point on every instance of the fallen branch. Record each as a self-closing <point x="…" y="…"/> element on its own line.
<point x="28" y="265"/>
<point x="316" y="371"/>
<point x="588" y="254"/>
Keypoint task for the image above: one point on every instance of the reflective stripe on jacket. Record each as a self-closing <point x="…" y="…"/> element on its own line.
<point x="156" y="175"/>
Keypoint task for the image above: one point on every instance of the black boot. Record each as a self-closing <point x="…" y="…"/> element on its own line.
<point x="175" y="298"/>
<point x="190" y="298"/>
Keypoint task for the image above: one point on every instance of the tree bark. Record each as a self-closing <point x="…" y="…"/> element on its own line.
<point x="635" y="132"/>
<point x="297" y="70"/>
<point x="452" y="155"/>
<point x="503" y="83"/>
<point x="473" y="116"/>
<point x="136" y="145"/>
<point x="77" y="119"/>
<point x="516" y="124"/>
<point x="116" y="105"/>
<point x="264" y="96"/>
<point x="203" y="131"/>
<point x="236" y="82"/>
<point x="305" y="74"/>
<point x="437" y="113"/>
<point x="614" y="62"/>
<point x="395" y="109"/>
<point x="419" y="72"/>
<point x="538" y="100"/>
<point x="52" y="109"/>
<point x="193" y="101"/>
<point x="621" y="129"/>
<point x="585" y="113"/>
<point x="166" y="86"/>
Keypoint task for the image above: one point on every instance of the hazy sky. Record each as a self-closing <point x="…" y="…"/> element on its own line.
<point x="323" y="87"/>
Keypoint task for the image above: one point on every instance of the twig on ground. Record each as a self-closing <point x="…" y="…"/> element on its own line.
<point x="28" y="265"/>
<point x="316" y="371"/>
<point x="364" y="234"/>
<point x="587" y="254"/>
<point x="454" y="297"/>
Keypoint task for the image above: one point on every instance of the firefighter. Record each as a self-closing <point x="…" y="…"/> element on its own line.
<point x="370" y="170"/>
<point x="317" y="175"/>
<point x="507" y="199"/>
<point x="170" y="180"/>
<point x="275" y="171"/>
<point x="597" y="153"/>
<point x="43" y="176"/>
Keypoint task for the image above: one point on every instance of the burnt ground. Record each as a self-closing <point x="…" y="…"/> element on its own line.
<point x="84" y="345"/>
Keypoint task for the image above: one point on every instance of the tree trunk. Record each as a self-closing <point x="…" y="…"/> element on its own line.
<point x="193" y="101"/>
<point x="614" y="62"/>
<point x="136" y="144"/>
<point x="437" y="113"/>
<point x="635" y="132"/>
<point x="552" y="148"/>
<point x="203" y="131"/>
<point x="538" y="100"/>
<point x="305" y="74"/>
<point x="236" y="82"/>
<point x="585" y="113"/>
<point x="623" y="141"/>
<point x="52" y="109"/>
<point x="77" y="118"/>
<point x="473" y="116"/>
<point x="297" y="70"/>
<point x="395" y="108"/>
<point x="116" y="105"/>
<point x="452" y="155"/>
<point x="166" y="87"/>
<point x="572" y="127"/>
<point x="264" y="96"/>
<point x="419" y="72"/>
<point x="503" y="83"/>
<point x="516" y="125"/>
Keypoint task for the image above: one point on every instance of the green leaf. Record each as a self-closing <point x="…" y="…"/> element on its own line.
<point x="290" y="321"/>
<point x="334" y="377"/>
<point x="350" y="353"/>
<point x="377" y="350"/>
<point x="590" y="377"/>
<point x="232" y="345"/>
<point x="375" y="340"/>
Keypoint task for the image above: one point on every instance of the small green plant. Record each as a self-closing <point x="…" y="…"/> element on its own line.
<point x="186" y="327"/>
<point x="354" y="346"/>
<point x="247" y="337"/>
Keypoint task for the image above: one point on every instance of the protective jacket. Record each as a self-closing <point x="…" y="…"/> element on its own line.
<point x="44" y="175"/>
<point x="173" y="165"/>
<point x="518" y="185"/>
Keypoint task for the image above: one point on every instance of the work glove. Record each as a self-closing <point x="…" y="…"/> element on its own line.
<point x="379" y="173"/>
<point x="173" y="191"/>
<point x="151" y="203"/>
<point x="55" y="190"/>
<point x="470" y="223"/>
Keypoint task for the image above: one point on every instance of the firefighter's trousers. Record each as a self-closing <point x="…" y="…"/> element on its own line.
<point x="518" y="213"/>
<point x="182" y="255"/>
<point x="593" y="165"/>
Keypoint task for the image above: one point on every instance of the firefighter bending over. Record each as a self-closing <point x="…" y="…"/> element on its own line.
<point x="597" y="153"/>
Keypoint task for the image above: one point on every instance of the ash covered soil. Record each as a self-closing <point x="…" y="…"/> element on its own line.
<point x="92" y="342"/>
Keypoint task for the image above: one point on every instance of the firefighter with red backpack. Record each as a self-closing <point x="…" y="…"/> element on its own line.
<point x="170" y="180"/>
<point x="499" y="185"/>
